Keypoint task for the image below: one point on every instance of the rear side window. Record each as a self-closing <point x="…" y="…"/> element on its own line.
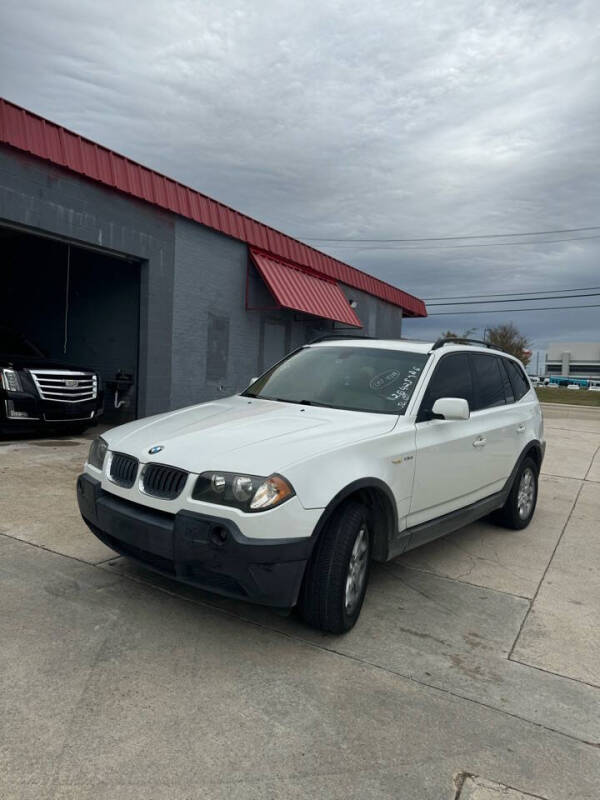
<point x="508" y="389"/>
<point x="517" y="377"/>
<point x="452" y="378"/>
<point x="489" y="382"/>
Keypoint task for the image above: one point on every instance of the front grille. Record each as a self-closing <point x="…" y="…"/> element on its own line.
<point x="123" y="469"/>
<point x="164" y="482"/>
<point x="65" y="386"/>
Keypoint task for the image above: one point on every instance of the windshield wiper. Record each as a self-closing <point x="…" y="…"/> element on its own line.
<point x="308" y="403"/>
<point x="296" y="402"/>
<point x="287" y="400"/>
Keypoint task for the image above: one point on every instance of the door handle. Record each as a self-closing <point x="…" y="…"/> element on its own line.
<point x="481" y="442"/>
<point x="521" y="429"/>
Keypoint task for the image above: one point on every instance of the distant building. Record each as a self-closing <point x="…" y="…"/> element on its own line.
<point x="574" y="359"/>
<point x="537" y="363"/>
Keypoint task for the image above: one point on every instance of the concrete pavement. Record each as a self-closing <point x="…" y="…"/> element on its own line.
<point x="471" y="674"/>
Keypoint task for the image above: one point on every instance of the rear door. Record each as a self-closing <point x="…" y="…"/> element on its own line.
<point x="495" y="412"/>
<point x="527" y="409"/>
<point x="448" y="469"/>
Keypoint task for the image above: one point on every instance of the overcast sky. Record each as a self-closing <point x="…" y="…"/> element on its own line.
<point x="350" y="120"/>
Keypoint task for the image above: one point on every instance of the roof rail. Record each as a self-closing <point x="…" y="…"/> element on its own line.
<point x="461" y="340"/>
<point x="409" y="339"/>
<point x="338" y="336"/>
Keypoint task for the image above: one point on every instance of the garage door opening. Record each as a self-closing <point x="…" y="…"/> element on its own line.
<point x="80" y="307"/>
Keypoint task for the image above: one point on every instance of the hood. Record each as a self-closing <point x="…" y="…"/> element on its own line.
<point x="31" y="362"/>
<point x="244" y="434"/>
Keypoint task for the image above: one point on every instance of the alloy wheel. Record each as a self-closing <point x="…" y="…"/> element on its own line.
<point x="357" y="569"/>
<point x="526" y="493"/>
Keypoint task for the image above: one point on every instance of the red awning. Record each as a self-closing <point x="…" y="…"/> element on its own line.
<point x="299" y="290"/>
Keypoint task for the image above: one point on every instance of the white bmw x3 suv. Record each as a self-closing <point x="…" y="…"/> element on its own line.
<point x="349" y="450"/>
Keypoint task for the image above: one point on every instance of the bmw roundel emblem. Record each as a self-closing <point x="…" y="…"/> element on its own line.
<point x="156" y="449"/>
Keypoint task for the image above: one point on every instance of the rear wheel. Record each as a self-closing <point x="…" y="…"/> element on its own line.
<point x="336" y="579"/>
<point x="520" y="503"/>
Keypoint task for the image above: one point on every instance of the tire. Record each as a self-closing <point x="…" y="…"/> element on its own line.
<point x="332" y="597"/>
<point x="519" y="508"/>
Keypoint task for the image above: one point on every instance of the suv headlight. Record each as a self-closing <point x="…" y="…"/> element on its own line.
<point x="11" y="380"/>
<point x="97" y="452"/>
<point x="246" y="492"/>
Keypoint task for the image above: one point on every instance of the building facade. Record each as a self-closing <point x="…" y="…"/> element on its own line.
<point x="112" y="266"/>
<point x="574" y="359"/>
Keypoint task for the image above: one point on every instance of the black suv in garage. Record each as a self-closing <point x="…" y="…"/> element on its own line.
<point x="37" y="392"/>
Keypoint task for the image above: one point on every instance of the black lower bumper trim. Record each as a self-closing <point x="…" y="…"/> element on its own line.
<point x="205" y="551"/>
<point x="46" y="412"/>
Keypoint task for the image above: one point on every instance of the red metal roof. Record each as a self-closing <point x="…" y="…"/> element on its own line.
<point x="34" y="134"/>
<point x="300" y="290"/>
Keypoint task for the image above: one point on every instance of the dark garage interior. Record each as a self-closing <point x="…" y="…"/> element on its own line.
<point x="79" y="306"/>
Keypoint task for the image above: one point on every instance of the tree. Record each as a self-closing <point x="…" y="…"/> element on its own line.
<point x="510" y="339"/>
<point x="452" y="335"/>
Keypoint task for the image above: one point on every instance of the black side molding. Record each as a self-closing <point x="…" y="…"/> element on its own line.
<point x="441" y="526"/>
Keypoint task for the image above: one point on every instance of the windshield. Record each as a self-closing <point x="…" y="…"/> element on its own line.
<point x="354" y="378"/>
<point x="12" y="343"/>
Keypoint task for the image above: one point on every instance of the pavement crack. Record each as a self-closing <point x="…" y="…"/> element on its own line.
<point x="543" y="578"/>
<point x="454" y="579"/>
<point x="418" y="591"/>
<point x="556" y="674"/>
<point x="592" y="463"/>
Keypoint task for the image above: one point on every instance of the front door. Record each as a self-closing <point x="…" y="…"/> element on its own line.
<point x="449" y="469"/>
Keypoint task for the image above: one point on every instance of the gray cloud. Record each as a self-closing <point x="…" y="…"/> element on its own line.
<point x="345" y="119"/>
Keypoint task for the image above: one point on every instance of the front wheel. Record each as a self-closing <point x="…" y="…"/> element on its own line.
<point x="336" y="578"/>
<point x="520" y="503"/>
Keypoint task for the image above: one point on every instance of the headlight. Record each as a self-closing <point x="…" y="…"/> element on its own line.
<point x="11" y="380"/>
<point x="246" y="492"/>
<point x="97" y="452"/>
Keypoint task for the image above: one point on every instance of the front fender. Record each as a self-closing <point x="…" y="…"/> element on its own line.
<point x="388" y="459"/>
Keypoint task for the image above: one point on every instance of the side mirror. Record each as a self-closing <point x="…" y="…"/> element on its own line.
<point x="451" y="408"/>
<point x="253" y="380"/>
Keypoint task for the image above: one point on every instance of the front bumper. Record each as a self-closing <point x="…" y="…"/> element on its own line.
<point x="41" y="411"/>
<point x="200" y="549"/>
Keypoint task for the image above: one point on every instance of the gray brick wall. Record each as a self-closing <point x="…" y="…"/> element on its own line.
<point x="210" y="280"/>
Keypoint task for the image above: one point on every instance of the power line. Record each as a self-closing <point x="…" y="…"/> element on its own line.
<point x="467" y="236"/>
<point x="506" y="294"/>
<point x="463" y="246"/>
<point x="509" y="310"/>
<point x="515" y="300"/>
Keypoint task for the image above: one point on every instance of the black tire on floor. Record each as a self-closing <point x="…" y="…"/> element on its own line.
<point x="323" y="599"/>
<point x="509" y="515"/>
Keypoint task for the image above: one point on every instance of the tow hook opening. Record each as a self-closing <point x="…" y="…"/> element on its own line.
<point x="218" y="535"/>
